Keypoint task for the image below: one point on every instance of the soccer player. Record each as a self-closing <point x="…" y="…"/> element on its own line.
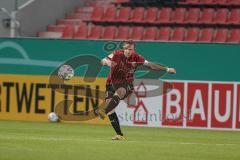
<point x="119" y="84"/>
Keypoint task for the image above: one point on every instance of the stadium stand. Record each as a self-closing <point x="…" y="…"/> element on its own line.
<point x="186" y="20"/>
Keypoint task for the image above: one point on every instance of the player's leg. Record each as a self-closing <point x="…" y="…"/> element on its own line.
<point x="119" y="94"/>
<point x="110" y="111"/>
<point x="122" y="91"/>
<point x="108" y="96"/>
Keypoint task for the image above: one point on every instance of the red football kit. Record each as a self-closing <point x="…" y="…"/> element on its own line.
<point x="124" y="68"/>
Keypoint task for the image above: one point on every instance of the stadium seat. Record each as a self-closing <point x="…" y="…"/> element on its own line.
<point x="179" y="15"/>
<point x="69" y="21"/>
<point x="97" y="13"/>
<point x="152" y="14"/>
<point x="82" y="16"/>
<point x="150" y="33"/>
<point x="124" y="14"/>
<point x="192" y="15"/>
<point x="221" y="35"/>
<point x="178" y="34"/>
<point x="122" y="1"/>
<point x="97" y="3"/>
<point x="192" y="34"/>
<point x="206" y="35"/>
<point x="123" y="32"/>
<point x="55" y="28"/>
<point x="207" y="16"/>
<point x="138" y="14"/>
<point x="137" y="33"/>
<point x="221" y="16"/>
<point x="206" y="2"/>
<point x="84" y="10"/>
<point x="191" y="2"/>
<point x="234" y="17"/>
<point x="220" y="2"/>
<point x="234" y="2"/>
<point x="234" y="36"/>
<point x="95" y="33"/>
<point x="109" y="32"/>
<point x="164" y="34"/>
<point x="165" y="15"/>
<point x="110" y="14"/>
<point x="68" y="31"/>
<point x="74" y="16"/>
<point x="82" y="31"/>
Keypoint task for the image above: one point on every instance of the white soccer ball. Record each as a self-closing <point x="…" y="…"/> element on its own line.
<point x="65" y="72"/>
<point x="52" y="117"/>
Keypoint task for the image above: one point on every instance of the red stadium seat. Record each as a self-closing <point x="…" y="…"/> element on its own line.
<point x="152" y="14"/>
<point x="206" y="35"/>
<point x="192" y="34"/>
<point x="68" y="31"/>
<point x="234" y="17"/>
<point x="178" y="15"/>
<point x="95" y="33"/>
<point x="150" y="33"/>
<point x="178" y="34"/>
<point x="164" y="34"/>
<point x="221" y="16"/>
<point x="234" y="2"/>
<point x="69" y="21"/>
<point x="84" y="10"/>
<point x="191" y="2"/>
<point x="82" y="31"/>
<point x="55" y="28"/>
<point x="137" y="33"/>
<point x="221" y="35"/>
<point x="234" y="36"/>
<point x="192" y="15"/>
<point x="82" y="16"/>
<point x="138" y="14"/>
<point x="122" y="1"/>
<point x="206" y="1"/>
<point x="109" y="32"/>
<point x="207" y="16"/>
<point x="165" y="15"/>
<point x="123" y="32"/>
<point x="124" y="14"/>
<point x="97" y="13"/>
<point x="220" y="2"/>
<point x="110" y="14"/>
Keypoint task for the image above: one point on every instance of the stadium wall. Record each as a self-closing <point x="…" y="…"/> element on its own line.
<point x="38" y="15"/>
<point x="205" y="92"/>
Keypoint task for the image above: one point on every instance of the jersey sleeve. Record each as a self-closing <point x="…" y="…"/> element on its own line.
<point x="140" y="60"/>
<point x="115" y="56"/>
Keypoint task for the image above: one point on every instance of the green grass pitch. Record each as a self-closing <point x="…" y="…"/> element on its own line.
<point x="61" y="141"/>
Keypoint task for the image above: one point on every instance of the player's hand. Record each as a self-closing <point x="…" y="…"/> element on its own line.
<point x="172" y="71"/>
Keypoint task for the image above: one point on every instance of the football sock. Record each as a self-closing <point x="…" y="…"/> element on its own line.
<point x="115" y="123"/>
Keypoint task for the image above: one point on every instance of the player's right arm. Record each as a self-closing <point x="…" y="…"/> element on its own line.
<point x="107" y="61"/>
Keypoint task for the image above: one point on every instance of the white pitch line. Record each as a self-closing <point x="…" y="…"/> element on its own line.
<point x="110" y="141"/>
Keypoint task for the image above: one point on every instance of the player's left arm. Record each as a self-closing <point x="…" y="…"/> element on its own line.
<point x="159" y="67"/>
<point x="154" y="66"/>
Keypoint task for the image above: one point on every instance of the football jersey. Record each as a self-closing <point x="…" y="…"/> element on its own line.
<point x="124" y="68"/>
